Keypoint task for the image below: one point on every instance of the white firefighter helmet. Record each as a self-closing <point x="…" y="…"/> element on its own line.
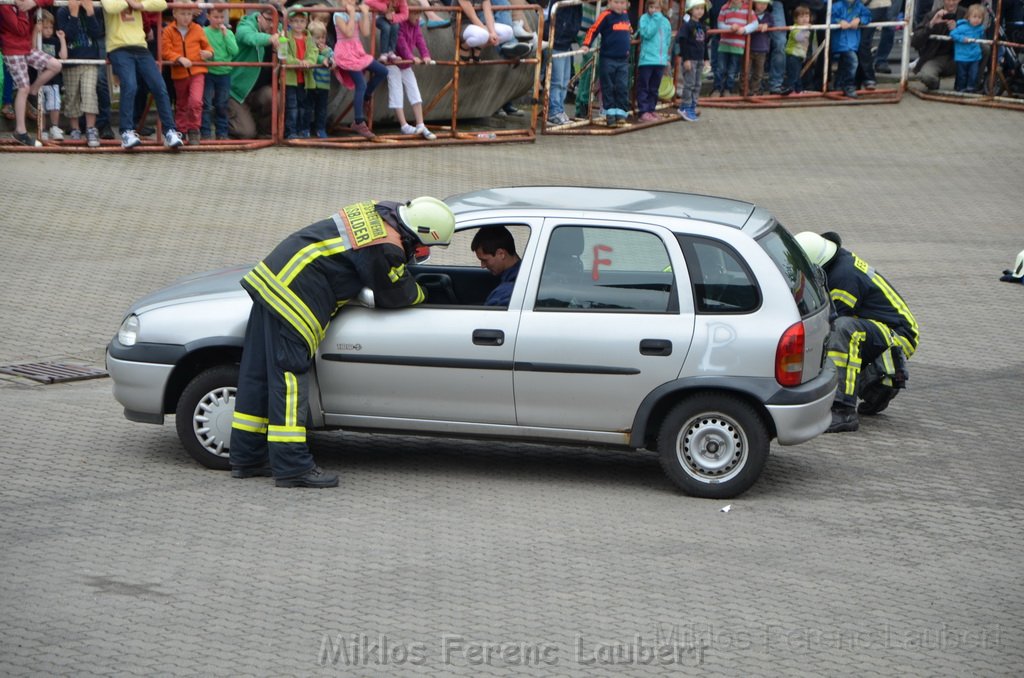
<point x="819" y="250"/>
<point x="1018" y="266"/>
<point x="430" y="219"/>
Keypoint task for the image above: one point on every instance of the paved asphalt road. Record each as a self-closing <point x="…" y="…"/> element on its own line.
<point x="893" y="551"/>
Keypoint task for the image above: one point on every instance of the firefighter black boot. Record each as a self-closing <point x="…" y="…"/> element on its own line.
<point x="844" y="419"/>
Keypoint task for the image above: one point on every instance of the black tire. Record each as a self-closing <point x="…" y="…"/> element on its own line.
<point x="203" y="415"/>
<point x="713" y="446"/>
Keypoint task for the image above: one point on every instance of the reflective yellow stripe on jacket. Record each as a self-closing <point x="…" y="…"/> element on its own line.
<point x="287" y="305"/>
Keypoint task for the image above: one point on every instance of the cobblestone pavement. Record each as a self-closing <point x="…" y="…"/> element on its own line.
<point x="892" y="551"/>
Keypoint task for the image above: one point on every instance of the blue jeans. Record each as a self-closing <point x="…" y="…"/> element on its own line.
<point x="502" y="16"/>
<point x="888" y="38"/>
<point x="847" y="72"/>
<point x="379" y="73"/>
<point x="215" y="104"/>
<point x="296" y="111"/>
<point x="318" y="104"/>
<point x="966" y="76"/>
<point x="729" y="65"/>
<point x="866" y="62"/>
<point x="561" y="72"/>
<point x="614" y="84"/>
<point x="388" y="35"/>
<point x="793" y="81"/>
<point x="131" y="64"/>
<point x="777" y="65"/>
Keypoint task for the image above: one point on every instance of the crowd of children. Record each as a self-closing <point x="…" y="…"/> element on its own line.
<point x="196" y="44"/>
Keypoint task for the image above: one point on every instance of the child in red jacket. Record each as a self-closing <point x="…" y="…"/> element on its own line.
<point x="184" y="43"/>
<point x="17" y="26"/>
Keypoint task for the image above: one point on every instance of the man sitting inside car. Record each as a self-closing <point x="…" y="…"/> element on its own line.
<point x="496" y="250"/>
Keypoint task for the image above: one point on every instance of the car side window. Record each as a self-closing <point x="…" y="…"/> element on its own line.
<point x="453" y="276"/>
<point x="606" y="269"/>
<point x="721" y="280"/>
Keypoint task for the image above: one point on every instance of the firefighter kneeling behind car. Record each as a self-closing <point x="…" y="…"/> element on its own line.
<point x="296" y="291"/>
<point x="873" y="334"/>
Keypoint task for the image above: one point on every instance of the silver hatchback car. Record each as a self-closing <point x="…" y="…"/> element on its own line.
<point x="685" y="324"/>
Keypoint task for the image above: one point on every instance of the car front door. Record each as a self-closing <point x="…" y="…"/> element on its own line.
<point x="429" y="363"/>
<point x="604" y="324"/>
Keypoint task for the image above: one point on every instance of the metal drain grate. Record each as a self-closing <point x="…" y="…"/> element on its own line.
<point x="53" y="373"/>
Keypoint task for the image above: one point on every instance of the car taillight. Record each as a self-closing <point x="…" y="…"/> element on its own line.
<point x="789" y="356"/>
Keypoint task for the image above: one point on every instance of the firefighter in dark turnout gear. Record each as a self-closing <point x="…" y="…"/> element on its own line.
<point x="872" y="336"/>
<point x="296" y="291"/>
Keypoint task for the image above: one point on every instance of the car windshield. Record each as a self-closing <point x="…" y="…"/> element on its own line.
<point x="796" y="269"/>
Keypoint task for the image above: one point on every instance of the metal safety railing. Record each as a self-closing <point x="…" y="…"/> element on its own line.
<point x="454" y="132"/>
<point x="80" y="145"/>
<point x="999" y="87"/>
<point x="823" y="93"/>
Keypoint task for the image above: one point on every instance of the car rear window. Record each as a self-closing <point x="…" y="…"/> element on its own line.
<point x="795" y="268"/>
<point x="721" y="280"/>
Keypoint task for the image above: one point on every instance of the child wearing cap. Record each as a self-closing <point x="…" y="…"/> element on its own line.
<point x="691" y="40"/>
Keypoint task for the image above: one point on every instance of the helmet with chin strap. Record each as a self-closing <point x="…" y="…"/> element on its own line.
<point x="818" y="249"/>
<point x="430" y="219"/>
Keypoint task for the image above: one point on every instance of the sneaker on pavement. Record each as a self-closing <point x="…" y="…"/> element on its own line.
<point x="689" y="115"/>
<point x="870" y="84"/>
<point x="425" y="133"/>
<point x="513" y="49"/>
<point x="521" y="32"/>
<point x="172" y="138"/>
<point x="844" y="419"/>
<point x="107" y="132"/>
<point x="363" y="130"/>
<point x="92" y="137"/>
<point x="559" y="119"/>
<point x="56" y="133"/>
<point x="129" y="139"/>
<point x="408" y="129"/>
<point x="25" y="140"/>
<point x="510" y="110"/>
<point x="850" y="92"/>
<point x="262" y="471"/>
<point x="315" y="477"/>
<point x="75" y="134"/>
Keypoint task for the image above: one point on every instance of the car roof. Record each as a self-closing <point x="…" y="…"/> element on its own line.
<point x="725" y="211"/>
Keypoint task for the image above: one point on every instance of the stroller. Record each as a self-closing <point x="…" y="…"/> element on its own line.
<point x="1011" y="69"/>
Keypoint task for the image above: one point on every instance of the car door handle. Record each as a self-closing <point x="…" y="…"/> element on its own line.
<point x="655" y="347"/>
<point x="488" y="337"/>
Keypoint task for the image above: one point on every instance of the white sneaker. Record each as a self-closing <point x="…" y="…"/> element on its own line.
<point x="409" y="129"/>
<point x="56" y="133"/>
<point x="75" y="134"/>
<point x="425" y="133"/>
<point x="129" y="139"/>
<point x="172" y="138"/>
<point x="521" y="32"/>
<point x="92" y="137"/>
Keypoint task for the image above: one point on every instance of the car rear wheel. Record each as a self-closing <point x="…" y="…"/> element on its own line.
<point x="713" y="446"/>
<point x="204" y="413"/>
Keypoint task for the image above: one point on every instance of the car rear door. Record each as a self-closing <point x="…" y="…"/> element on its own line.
<point x="603" y="324"/>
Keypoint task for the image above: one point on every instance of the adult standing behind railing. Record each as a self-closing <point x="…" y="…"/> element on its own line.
<point x="252" y="98"/>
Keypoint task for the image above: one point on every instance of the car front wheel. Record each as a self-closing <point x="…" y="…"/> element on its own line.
<point x="713" y="446"/>
<point x="204" y="413"/>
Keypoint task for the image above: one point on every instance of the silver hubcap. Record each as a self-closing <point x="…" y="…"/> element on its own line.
<point x="711" y="448"/>
<point x="211" y="420"/>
